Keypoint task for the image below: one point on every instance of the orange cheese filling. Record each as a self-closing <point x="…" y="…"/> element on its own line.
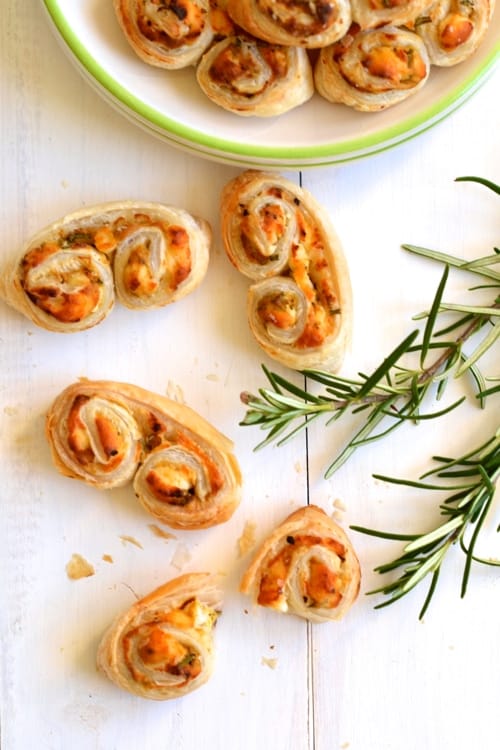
<point x="162" y="651"/>
<point x="271" y="221"/>
<point x="322" y="587"/>
<point x="65" y="306"/>
<point x="172" y="483"/>
<point x="221" y="23"/>
<point x="401" y="67"/>
<point x="248" y="73"/>
<point x="233" y="64"/>
<point x="308" y="267"/>
<point x="112" y="441"/>
<point x="175" y="483"/>
<point x="278" y="310"/>
<point x="138" y="276"/>
<point x="454" y="31"/>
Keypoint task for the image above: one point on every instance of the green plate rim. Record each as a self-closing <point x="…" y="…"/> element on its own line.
<point x="212" y="145"/>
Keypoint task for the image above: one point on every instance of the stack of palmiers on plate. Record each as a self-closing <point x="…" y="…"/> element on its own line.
<point x="265" y="57"/>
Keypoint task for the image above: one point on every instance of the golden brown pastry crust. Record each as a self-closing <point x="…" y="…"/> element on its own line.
<point x="162" y="255"/>
<point x="370" y="14"/>
<point x="67" y="276"/>
<point x="109" y="434"/>
<point x="62" y="279"/>
<point x="166" y="35"/>
<point x="250" y="77"/>
<point x="162" y="647"/>
<point x="307" y="567"/>
<point x="452" y="30"/>
<point x="291" y="22"/>
<point x="372" y="69"/>
<point x="300" y="304"/>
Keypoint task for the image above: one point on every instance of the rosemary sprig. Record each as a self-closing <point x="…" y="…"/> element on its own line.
<point x="473" y="480"/>
<point x="394" y="392"/>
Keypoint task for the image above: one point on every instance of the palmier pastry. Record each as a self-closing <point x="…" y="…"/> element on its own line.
<point x="373" y="69"/>
<point x="372" y="13"/>
<point x="62" y="280"/>
<point x="293" y="22"/>
<point x="171" y="34"/>
<point x="162" y="647"/>
<point x="249" y="77"/>
<point x="66" y="276"/>
<point x="306" y="567"/>
<point x="453" y="29"/>
<point x="300" y="305"/>
<point x="108" y="434"/>
<point x="161" y="254"/>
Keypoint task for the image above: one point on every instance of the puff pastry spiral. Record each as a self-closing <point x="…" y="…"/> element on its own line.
<point x="109" y="434"/>
<point x="293" y="22"/>
<point x="299" y="306"/>
<point x="372" y="69"/>
<point x="306" y="567"/>
<point x="163" y="647"/>
<point x="67" y="276"/>
<point x="169" y="35"/>
<point x="161" y="254"/>
<point x="452" y="30"/>
<point x="372" y="13"/>
<point x="250" y="77"/>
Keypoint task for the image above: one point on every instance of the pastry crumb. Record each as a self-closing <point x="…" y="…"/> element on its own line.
<point x="174" y="392"/>
<point x="107" y="558"/>
<point x="78" y="567"/>
<point x="180" y="557"/>
<point x="247" y="538"/>
<point x="271" y="663"/>
<point x="161" y="532"/>
<point x="339" y="505"/>
<point x="130" y="540"/>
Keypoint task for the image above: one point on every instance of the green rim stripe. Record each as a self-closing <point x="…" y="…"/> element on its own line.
<point x="321" y="154"/>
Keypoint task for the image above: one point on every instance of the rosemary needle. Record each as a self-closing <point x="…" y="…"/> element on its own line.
<point x="394" y="392"/>
<point x="471" y="481"/>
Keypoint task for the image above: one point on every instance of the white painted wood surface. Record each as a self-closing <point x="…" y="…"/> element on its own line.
<point x="380" y="680"/>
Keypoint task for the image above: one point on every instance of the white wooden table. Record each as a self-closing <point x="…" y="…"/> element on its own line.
<point x="380" y="680"/>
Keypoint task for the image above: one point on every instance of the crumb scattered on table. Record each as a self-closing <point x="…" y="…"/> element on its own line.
<point x="79" y="567"/>
<point x="180" y="557"/>
<point x="107" y="558"/>
<point x="247" y="538"/>
<point x="157" y="531"/>
<point x="130" y="540"/>
<point x="339" y="504"/>
<point x="174" y="392"/>
<point x="271" y="663"/>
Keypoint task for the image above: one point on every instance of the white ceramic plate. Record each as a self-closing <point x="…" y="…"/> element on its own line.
<point x="171" y="105"/>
